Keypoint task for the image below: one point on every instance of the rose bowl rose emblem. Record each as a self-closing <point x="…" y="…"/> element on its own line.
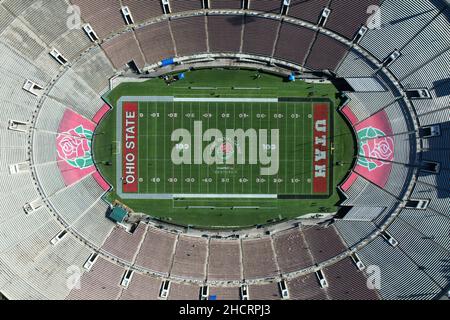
<point x="374" y="148"/>
<point x="74" y="146"/>
<point x="225" y="151"/>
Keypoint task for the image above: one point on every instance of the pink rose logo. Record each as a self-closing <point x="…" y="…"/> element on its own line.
<point x="74" y="147"/>
<point x="375" y="148"/>
<point x="226" y="147"/>
<point x="225" y="150"/>
<point x="379" y="149"/>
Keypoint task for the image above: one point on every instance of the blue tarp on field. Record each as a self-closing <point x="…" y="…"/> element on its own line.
<point x="167" y="62"/>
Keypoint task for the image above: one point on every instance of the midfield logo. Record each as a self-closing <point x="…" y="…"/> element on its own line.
<point x="229" y="148"/>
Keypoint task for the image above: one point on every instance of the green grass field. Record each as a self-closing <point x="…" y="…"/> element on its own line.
<point x="159" y="175"/>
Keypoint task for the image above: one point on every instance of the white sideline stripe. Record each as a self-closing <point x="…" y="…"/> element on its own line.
<point x="225" y="99"/>
<point x="227" y="196"/>
<point x="167" y="196"/>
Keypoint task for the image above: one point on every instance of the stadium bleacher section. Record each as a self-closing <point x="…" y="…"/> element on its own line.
<point x="156" y="252"/>
<point x="224" y="36"/>
<point x="144" y="10"/>
<point x="258" y="258"/>
<point x="294" y="43"/>
<point x="189" y="35"/>
<point x="269" y="291"/>
<point x="142" y="288"/>
<point x="181" y="291"/>
<point x="103" y="15"/>
<point x="292" y="251"/>
<point x="348" y="16"/>
<point x="185" y="5"/>
<point x="122" y="49"/>
<point x="190" y="258"/>
<point x="307" y="10"/>
<point x="33" y="268"/>
<point x="226" y="4"/>
<point x="319" y="57"/>
<point x="253" y="26"/>
<point x="156" y="42"/>
<point x="306" y="288"/>
<point x="123" y="244"/>
<point x="224" y="261"/>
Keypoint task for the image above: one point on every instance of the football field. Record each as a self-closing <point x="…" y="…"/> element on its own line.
<point x="223" y="147"/>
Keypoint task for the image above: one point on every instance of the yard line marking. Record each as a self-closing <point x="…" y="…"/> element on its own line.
<point x="173" y="183"/>
<point x="260" y="111"/>
<point x="312" y="144"/>
<point x="181" y="166"/>
<point x="251" y="126"/>
<point x="147" y="178"/>
<point x="285" y="151"/>
<point x="207" y="167"/>
<point x="217" y="125"/>
<point x="304" y="124"/>
<point x="295" y="148"/>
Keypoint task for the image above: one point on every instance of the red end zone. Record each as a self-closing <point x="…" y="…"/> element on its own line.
<point x="130" y="147"/>
<point x="321" y="147"/>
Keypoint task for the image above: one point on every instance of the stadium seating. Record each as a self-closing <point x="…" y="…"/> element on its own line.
<point x="96" y="70"/>
<point x="433" y="39"/>
<point x="185" y="5"/>
<point x="225" y="293"/>
<point x="398" y="17"/>
<point x="226" y="4"/>
<point x="355" y="231"/>
<point x="293" y="43"/>
<point x="190" y="258"/>
<point x="156" y="252"/>
<point x="269" y="291"/>
<point x="321" y="246"/>
<point x="189" y="35"/>
<point x="426" y="253"/>
<point x="84" y="100"/>
<point x="413" y="284"/>
<point x="319" y="59"/>
<point x="181" y="291"/>
<point x="292" y="251"/>
<point x="355" y="65"/>
<point x="144" y="10"/>
<point x="101" y="283"/>
<point x="223" y="35"/>
<point x="93" y="225"/>
<point x="271" y="6"/>
<point x="71" y="201"/>
<point x="258" y="258"/>
<point x="123" y="244"/>
<point x="307" y="10"/>
<point x="31" y="267"/>
<point x="348" y="16"/>
<point x="254" y="26"/>
<point x="104" y="15"/>
<point x="306" y="288"/>
<point x="123" y="49"/>
<point x="224" y="261"/>
<point x="347" y="284"/>
<point x="142" y="287"/>
<point x="371" y="101"/>
<point x="156" y="42"/>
